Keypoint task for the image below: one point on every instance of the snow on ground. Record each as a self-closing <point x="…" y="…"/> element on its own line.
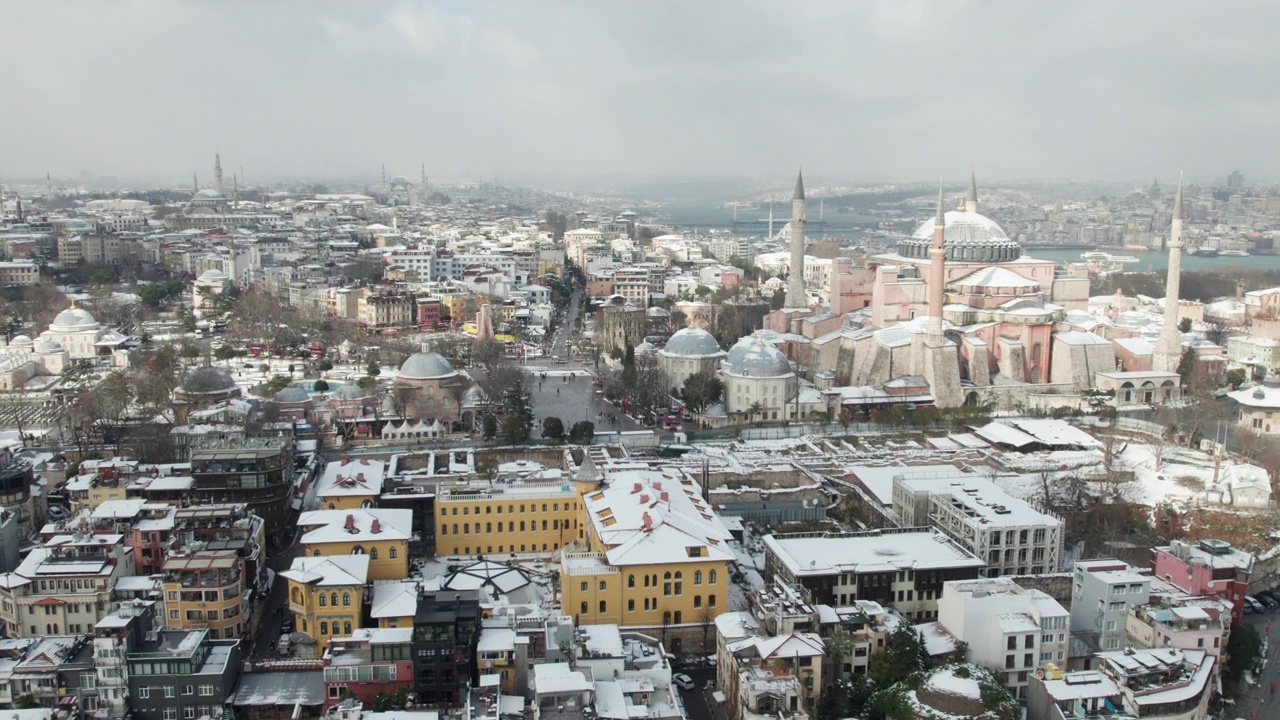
<point x="1182" y="475"/>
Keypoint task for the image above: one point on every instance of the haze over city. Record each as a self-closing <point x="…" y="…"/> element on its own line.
<point x="555" y="91"/>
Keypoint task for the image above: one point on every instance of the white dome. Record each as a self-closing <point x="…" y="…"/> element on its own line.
<point x="210" y="193"/>
<point x="74" y="319"/>
<point x="426" y="366"/>
<point x="963" y="226"/>
<point x="692" y="342"/>
<point x="20" y="340"/>
<point x="212" y="274"/>
<point x="48" y="346"/>
<point x="753" y="357"/>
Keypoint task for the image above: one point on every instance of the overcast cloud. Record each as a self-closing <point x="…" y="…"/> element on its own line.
<point x="894" y="89"/>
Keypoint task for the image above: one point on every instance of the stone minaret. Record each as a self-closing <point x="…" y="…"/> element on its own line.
<point x="937" y="275"/>
<point x="217" y="174"/>
<point x="1169" y="347"/>
<point x="795" y="280"/>
<point x="971" y="202"/>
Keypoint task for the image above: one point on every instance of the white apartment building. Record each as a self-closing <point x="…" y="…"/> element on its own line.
<point x="1010" y="535"/>
<point x="724" y="248"/>
<point x="1008" y="628"/>
<point x="64" y="586"/>
<point x="1102" y="594"/>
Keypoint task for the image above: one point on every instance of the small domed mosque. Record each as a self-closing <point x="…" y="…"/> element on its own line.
<point x="73" y="336"/>
<point x="428" y="388"/>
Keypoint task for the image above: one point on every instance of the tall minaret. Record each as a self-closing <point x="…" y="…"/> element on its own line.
<point x="795" y="280"/>
<point x="1169" y="347"/>
<point x="937" y="274"/>
<point x="195" y="182"/>
<point x="971" y="202"/>
<point x="217" y="173"/>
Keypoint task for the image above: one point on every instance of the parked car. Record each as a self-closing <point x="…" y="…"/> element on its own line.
<point x="1253" y="604"/>
<point x="682" y="681"/>
<point x="1267" y="601"/>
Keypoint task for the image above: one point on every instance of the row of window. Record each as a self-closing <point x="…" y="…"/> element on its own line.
<point x="510" y="527"/>
<point x="488" y="549"/>
<point x="169" y="691"/>
<point x="392" y="553"/>
<point x="511" y="509"/>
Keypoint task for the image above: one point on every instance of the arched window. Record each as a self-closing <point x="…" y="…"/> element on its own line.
<point x="1037" y="351"/>
<point x="315" y="553"/>
<point x="391" y="552"/>
<point x="333" y="599"/>
<point x="631" y="581"/>
<point x="711" y="578"/>
<point x="666" y="575"/>
<point x="697" y="577"/>
<point x="323" y="600"/>
<point x="346" y="627"/>
<point x="455" y="528"/>
<point x="297" y="595"/>
<point x="346" y="599"/>
<point x="324" y="628"/>
<point x="373" y="553"/>
<point x="444" y="529"/>
<point x="697" y="601"/>
<point x="357" y="550"/>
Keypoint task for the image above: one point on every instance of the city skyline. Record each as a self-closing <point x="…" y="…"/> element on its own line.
<point x="886" y="91"/>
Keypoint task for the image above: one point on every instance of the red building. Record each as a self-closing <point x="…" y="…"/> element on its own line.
<point x="429" y="312"/>
<point x="1210" y="567"/>
<point x="371" y="661"/>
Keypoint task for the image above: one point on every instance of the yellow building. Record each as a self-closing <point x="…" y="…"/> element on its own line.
<point x="326" y="595"/>
<point x="351" y="484"/>
<point x="520" y="517"/>
<point x="382" y="534"/>
<point x="205" y="590"/>
<point x="655" y="555"/>
<point x="395" y="602"/>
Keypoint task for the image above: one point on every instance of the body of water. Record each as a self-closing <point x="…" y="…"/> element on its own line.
<point x="1159" y="261"/>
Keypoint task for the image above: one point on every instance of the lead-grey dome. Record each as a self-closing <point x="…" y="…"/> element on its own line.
<point x="692" y="342"/>
<point x="349" y="391"/>
<point x="208" y="379"/>
<point x="426" y="366"/>
<point x="753" y="357"/>
<point x="292" y="395"/>
<point x="968" y="237"/>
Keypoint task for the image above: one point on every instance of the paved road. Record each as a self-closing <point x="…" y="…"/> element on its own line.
<point x="572" y="399"/>
<point x="1259" y="702"/>
<point x="276" y="605"/>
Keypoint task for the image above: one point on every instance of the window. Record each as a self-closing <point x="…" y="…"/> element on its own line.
<point x="602" y="606"/>
<point x="584" y="607"/>
<point x="144" y="693"/>
<point x="346" y="628"/>
<point x="711" y="577"/>
<point x="584" y="586"/>
<point x="346" y="599"/>
<point x="711" y="601"/>
<point x="188" y="712"/>
<point x="169" y="691"/>
<point x="602" y="584"/>
<point x="170" y="713"/>
<point x="373" y="553"/>
<point x="697" y="601"/>
<point x="631" y="581"/>
<point x="206" y="690"/>
<point x="324" y="627"/>
<point x="697" y="577"/>
<point x="631" y="605"/>
<point x="391" y="552"/>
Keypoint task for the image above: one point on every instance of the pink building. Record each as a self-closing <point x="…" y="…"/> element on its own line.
<point x="1210" y="567"/>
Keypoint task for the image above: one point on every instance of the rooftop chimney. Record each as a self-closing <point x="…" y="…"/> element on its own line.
<point x="377" y="527"/>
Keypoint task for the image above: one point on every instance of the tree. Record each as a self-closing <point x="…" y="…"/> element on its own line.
<point x="225" y="352"/>
<point x="701" y="389"/>
<point x="276" y="384"/>
<point x="321" y="385"/>
<point x="1243" y="649"/>
<point x="1236" y="377"/>
<point x="1215" y="332"/>
<point x="373" y="368"/>
<point x="1184" y="325"/>
<point x="582" y="432"/>
<point x="489" y="427"/>
<point x="1187" y="365"/>
<point x="754" y="410"/>
<point x="325" y="365"/>
<point x="189" y="351"/>
<point x="552" y="428"/>
<point x="900" y="659"/>
<point x="488" y="354"/>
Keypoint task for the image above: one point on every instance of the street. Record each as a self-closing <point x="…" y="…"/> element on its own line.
<point x="1250" y="705"/>
<point x="268" y="632"/>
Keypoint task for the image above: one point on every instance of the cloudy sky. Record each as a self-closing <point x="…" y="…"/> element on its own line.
<point x="861" y="90"/>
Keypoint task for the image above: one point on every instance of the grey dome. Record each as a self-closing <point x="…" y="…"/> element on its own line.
<point x="210" y="193"/>
<point x="73" y="319"/>
<point x="292" y="395"/>
<point x="692" y="342"/>
<point x="753" y="357"/>
<point x="350" y="391"/>
<point x="968" y="237"/>
<point x="426" y="366"/>
<point x="208" y="379"/>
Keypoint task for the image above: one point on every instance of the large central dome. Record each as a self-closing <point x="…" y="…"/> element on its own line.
<point x="692" y="342"/>
<point x="969" y="237"/>
<point x="74" y="319"/>
<point x="753" y="357"/>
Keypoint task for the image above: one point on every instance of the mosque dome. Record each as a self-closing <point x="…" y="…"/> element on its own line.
<point x="753" y="357"/>
<point x="20" y="340"/>
<point x="208" y="379"/>
<point x="291" y="395"/>
<point x="350" y="391"/>
<point x="426" y="366"/>
<point x="692" y="342"/>
<point x="969" y="237"/>
<point x="48" y="346"/>
<point x="210" y="193"/>
<point x="213" y="274"/>
<point x="74" y="319"/>
<point x="399" y="181"/>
